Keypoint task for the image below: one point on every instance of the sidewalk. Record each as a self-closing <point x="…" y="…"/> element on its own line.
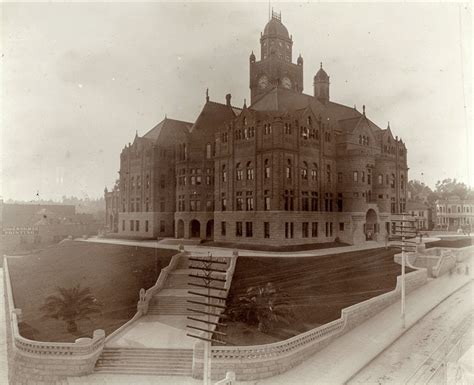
<point x="342" y="359"/>
<point x="227" y="252"/>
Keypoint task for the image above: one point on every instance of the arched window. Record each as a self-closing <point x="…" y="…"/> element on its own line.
<point x="380" y="179"/>
<point x="368" y="141"/>
<point x="288" y="169"/>
<point x="328" y="173"/>
<point x="314" y="172"/>
<point x="250" y="174"/>
<point x="208" y="151"/>
<point x="402" y="182"/>
<point x="392" y="182"/>
<point x="245" y="121"/>
<point x="266" y="172"/>
<point x="304" y="171"/>
<point x="304" y="132"/>
<point x="360" y="139"/>
<point x="309" y="121"/>
<point x="239" y="174"/>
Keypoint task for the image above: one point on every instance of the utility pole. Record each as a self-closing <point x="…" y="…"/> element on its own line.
<point x="403" y="233"/>
<point x="214" y="305"/>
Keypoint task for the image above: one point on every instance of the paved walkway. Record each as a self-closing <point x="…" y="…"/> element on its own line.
<point x="338" y="362"/>
<point x="226" y="252"/>
<point x="160" y="332"/>
<point x="3" y="335"/>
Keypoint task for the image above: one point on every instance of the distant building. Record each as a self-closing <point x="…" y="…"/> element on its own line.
<point x="27" y="225"/>
<point x="422" y="214"/>
<point x="289" y="168"/>
<point x="454" y="213"/>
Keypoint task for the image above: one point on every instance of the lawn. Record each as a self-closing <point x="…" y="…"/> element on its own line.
<point x="318" y="288"/>
<point x="114" y="273"/>
<point x="455" y="242"/>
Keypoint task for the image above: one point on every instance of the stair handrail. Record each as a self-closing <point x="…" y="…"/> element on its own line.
<point x="146" y="295"/>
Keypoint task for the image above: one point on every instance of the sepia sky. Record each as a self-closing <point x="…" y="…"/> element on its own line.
<point x="78" y="80"/>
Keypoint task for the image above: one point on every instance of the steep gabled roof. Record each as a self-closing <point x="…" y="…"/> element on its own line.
<point x="178" y="126"/>
<point x="212" y="115"/>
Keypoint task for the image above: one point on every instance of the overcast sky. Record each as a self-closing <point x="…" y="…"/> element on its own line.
<point x="78" y="80"/>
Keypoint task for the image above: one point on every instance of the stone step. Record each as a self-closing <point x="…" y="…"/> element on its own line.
<point x="140" y="355"/>
<point x="148" y="372"/>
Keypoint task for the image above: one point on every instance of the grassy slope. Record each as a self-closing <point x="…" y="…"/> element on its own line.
<point x="115" y="274"/>
<point x="319" y="287"/>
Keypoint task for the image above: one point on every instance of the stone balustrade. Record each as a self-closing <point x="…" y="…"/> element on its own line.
<point x="44" y="363"/>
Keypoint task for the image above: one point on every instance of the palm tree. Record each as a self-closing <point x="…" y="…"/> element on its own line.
<point x="71" y="305"/>
<point x="263" y="306"/>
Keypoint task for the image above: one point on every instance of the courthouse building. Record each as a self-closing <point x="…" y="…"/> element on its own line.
<point x="288" y="168"/>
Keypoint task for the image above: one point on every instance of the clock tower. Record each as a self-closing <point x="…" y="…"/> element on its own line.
<point x="275" y="68"/>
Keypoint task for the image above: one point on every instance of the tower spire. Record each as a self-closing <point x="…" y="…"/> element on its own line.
<point x="207" y="94"/>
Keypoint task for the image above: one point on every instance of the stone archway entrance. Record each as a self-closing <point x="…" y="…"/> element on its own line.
<point x="180" y="233"/>
<point x="194" y="229"/>
<point x="210" y="229"/>
<point x="370" y="227"/>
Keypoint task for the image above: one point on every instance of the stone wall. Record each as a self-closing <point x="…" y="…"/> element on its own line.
<point x="45" y="363"/>
<point x="261" y="361"/>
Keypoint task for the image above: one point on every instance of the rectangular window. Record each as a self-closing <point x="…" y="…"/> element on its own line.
<point x="330" y="229"/>
<point x="341" y="226"/>
<point x="123" y="225"/>
<point x="239" y="204"/>
<point x="248" y="229"/>
<point x="266" y="205"/>
<point x="146" y="226"/>
<point x="132" y="222"/>
<point x="327" y="229"/>
<point x="339" y="177"/>
<point x="356" y="176"/>
<point x="238" y="229"/>
<point x="162" y="206"/>
<point x="266" y="229"/>
<point x="137" y="225"/>
<point x="314" y="229"/>
<point x="249" y="204"/>
<point x="305" y="230"/>
<point x="305" y="201"/>
<point x="224" y="204"/>
<point x="288" y="229"/>
<point x="162" y="226"/>
<point x="314" y="201"/>
<point x="223" y="229"/>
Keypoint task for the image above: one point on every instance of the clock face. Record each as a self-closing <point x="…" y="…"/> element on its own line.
<point x="285" y="82"/>
<point x="263" y="82"/>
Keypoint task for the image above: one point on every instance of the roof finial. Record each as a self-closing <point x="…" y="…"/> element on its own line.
<point x="166" y="117"/>
<point x="207" y="94"/>
<point x="388" y="125"/>
<point x="321" y="65"/>
<point x="136" y="132"/>
<point x="363" y="109"/>
<point x="355" y="107"/>
<point x="245" y="103"/>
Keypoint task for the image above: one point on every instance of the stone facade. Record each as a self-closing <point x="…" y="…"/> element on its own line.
<point x="290" y="168"/>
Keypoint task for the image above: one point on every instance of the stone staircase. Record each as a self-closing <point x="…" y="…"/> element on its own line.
<point x="172" y="299"/>
<point x="160" y="362"/>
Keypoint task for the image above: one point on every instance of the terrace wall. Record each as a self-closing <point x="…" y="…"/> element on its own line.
<point x="261" y="361"/>
<point x="49" y="363"/>
<point x="45" y="363"/>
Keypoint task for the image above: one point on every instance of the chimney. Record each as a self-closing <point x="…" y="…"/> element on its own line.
<point x="227" y="99"/>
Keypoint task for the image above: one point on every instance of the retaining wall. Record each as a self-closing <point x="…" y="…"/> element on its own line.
<point x="261" y="361"/>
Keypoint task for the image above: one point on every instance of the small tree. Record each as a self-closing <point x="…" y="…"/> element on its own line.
<point x="71" y="305"/>
<point x="264" y="306"/>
